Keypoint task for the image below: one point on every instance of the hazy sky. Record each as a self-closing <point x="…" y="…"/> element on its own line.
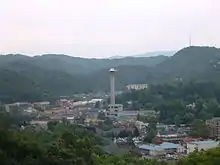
<point x="101" y="28"/>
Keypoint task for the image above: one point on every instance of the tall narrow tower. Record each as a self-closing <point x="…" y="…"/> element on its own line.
<point x="112" y="85"/>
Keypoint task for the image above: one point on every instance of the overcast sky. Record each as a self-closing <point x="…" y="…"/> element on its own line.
<point x="102" y="28"/>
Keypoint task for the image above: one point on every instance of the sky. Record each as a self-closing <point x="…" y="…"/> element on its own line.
<point x="103" y="28"/>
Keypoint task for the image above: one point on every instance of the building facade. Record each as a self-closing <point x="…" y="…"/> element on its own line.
<point x="17" y="106"/>
<point x="42" y="105"/>
<point x="214" y="127"/>
<point x="201" y="145"/>
<point x="113" y="110"/>
<point x="137" y="86"/>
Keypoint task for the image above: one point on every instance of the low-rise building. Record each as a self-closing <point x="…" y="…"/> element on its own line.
<point x="201" y="145"/>
<point x="162" y="149"/>
<point x="17" y="106"/>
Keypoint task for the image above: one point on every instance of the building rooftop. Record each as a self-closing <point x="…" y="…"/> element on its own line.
<point x="162" y="146"/>
<point x="204" y="142"/>
<point x="215" y="118"/>
<point x="115" y="105"/>
<point x="128" y="113"/>
<point x="150" y="147"/>
<point x="167" y="145"/>
<point x="172" y="139"/>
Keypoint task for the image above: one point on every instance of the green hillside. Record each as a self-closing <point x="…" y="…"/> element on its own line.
<point x="54" y="75"/>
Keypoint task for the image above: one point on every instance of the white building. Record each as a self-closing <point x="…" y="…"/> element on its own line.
<point x="17" y="106"/>
<point x="93" y="101"/>
<point x="199" y="145"/>
<point x="141" y="126"/>
<point x="41" y="123"/>
<point x="136" y="86"/>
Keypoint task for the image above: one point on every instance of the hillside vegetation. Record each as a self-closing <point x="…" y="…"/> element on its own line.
<point x="55" y="75"/>
<point x="67" y="144"/>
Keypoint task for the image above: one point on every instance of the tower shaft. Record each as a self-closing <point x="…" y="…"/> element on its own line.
<point x="112" y="86"/>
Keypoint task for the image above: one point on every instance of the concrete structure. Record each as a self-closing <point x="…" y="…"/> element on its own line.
<point x="214" y="126"/>
<point x="199" y="145"/>
<point x="141" y="126"/>
<point x="112" y="85"/>
<point x="114" y="109"/>
<point x="17" y="106"/>
<point x="127" y="115"/>
<point x="137" y="86"/>
<point x="42" y="105"/>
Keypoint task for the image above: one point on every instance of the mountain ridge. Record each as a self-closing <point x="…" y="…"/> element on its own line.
<point x="147" y="54"/>
<point x="77" y="65"/>
<point x="52" y="75"/>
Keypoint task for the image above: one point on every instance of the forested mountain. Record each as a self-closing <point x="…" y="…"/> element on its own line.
<point x="75" y="65"/>
<point x="54" y="75"/>
<point x="40" y="77"/>
<point x="191" y="63"/>
<point x="165" y="53"/>
<point x="148" y="54"/>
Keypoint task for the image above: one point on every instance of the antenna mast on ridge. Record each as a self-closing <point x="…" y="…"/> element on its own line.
<point x="190" y="41"/>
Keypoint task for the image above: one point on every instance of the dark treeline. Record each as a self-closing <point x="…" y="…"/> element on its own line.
<point x="180" y="102"/>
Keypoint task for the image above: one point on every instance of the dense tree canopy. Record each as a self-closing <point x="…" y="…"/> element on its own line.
<point x="24" y="78"/>
<point x="67" y="144"/>
<point x="179" y="102"/>
<point x="199" y="129"/>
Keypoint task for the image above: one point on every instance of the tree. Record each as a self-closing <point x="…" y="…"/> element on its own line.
<point x="209" y="157"/>
<point x="101" y="116"/>
<point x="177" y="120"/>
<point x="188" y="117"/>
<point x="52" y="124"/>
<point x="98" y="104"/>
<point x="138" y="117"/>
<point x="150" y="136"/>
<point x="108" y="121"/>
<point x="199" y="129"/>
<point x="136" y="132"/>
<point x="124" y="133"/>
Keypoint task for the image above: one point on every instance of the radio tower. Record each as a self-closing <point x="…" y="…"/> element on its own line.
<point x="190" y="41"/>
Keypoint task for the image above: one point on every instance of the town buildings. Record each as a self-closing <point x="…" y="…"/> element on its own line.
<point x="17" y="106"/>
<point x="214" y="126"/>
